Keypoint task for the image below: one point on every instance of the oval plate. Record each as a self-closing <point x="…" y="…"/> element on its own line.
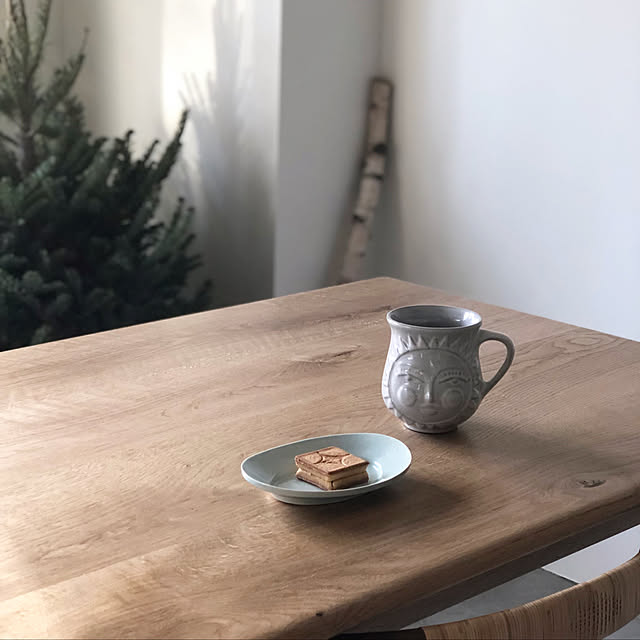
<point x="274" y="470"/>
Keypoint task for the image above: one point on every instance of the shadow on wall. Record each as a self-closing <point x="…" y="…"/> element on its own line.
<point x="224" y="173"/>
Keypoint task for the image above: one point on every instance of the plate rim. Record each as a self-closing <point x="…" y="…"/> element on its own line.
<point x="317" y="495"/>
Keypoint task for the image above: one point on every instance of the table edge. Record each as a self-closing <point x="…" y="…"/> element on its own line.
<point x="422" y="607"/>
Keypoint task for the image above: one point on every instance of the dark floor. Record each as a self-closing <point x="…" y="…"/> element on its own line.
<point x="531" y="586"/>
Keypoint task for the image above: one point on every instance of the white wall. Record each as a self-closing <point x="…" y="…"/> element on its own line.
<point x="149" y="59"/>
<point x="516" y="154"/>
<point x="221" y="58"/>
<point x="330" y="51"/>
<point x="515" y="164"/>
<point x="121" y="81"/>
<point x="278" y="93"/>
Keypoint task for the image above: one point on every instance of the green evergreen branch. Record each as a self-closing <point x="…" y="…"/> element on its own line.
<point x="59" y="88"/>
<point x="18" y="14"/>
<point x="42" y="26"/>
<point x="81" y="246"/>
<point x="9" y="139"/>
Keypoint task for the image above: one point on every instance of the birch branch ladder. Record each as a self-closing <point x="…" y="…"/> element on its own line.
<point x="371" y="177"/>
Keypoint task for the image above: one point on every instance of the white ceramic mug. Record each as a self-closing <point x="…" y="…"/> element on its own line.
<point x="432" y="378"/>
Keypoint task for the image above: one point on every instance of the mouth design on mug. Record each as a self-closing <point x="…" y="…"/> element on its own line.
<point x="430" y="385"/>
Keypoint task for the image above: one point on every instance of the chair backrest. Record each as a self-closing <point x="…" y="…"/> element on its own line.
<point x="588" y="611"/>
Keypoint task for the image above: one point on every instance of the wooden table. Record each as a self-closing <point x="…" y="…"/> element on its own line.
<point x="124" y="513"/>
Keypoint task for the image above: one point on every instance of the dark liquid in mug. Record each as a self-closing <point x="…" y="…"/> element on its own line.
<point x="434" y="318"/>
<point x="434" y="324"/>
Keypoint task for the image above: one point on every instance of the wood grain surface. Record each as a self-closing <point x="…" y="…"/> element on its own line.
<point x="124" y="513"/>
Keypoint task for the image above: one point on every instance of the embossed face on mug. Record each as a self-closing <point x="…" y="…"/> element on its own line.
<point x="430" y="383"/>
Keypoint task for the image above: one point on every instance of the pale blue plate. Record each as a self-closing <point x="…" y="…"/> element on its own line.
<point x="274" y="470"/>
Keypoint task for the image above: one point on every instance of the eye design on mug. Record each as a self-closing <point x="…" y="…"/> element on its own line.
<point x="450" y="386"/>
<point x="411" y="390"/>
<point x="452" y="398"/>
<point x="407" y="395"/>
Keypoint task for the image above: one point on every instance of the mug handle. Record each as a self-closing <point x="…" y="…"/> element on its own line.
<point x="483" y="336"/>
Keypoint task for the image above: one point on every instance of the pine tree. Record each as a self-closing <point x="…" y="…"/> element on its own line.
<point x="80" y="247"/>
